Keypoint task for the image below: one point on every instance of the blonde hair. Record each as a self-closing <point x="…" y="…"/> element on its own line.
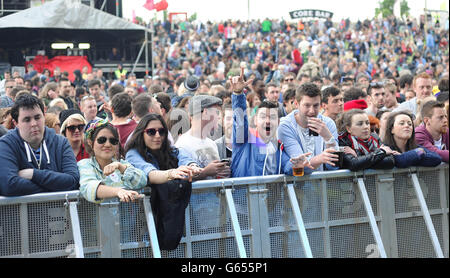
<point x="57" y="101"/>
<point x="77" y="117"/>
<point x="51" y="120"/>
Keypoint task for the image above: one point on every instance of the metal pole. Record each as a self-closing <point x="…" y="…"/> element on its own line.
<point x="235" y="223"/>
<point x="151" y="228"/>
<point x="146" y="52"/>
<point x="75" y="221"/>
<point x="299" y="221"/>
<point x="138" y="57"/>
<point x="103" y="5"/>
<point x="427" y="217"/>
<point x="372" y="221"/>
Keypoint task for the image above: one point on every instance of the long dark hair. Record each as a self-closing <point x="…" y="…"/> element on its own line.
<point x="166" y="156"/>
<point x="389" y="137"/>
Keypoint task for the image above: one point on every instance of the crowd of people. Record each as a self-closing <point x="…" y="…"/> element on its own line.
<point x="232" y="99"/>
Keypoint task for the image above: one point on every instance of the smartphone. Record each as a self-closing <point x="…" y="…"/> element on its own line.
<point x="227" y="160"/>
<point x="313" y="133"/>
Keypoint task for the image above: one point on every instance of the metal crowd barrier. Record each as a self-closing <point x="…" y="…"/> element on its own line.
<point x="396" y="213"/>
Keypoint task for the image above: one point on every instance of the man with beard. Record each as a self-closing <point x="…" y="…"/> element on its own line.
<point x="433" y="132"/>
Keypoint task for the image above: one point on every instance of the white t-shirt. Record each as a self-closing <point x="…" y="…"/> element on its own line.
<point x="203" y="151"/>
<point x="307" y="141"/>
<point x="438" y="143"/>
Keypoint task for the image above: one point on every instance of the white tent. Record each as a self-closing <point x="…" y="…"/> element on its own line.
<point x="66" y="14"/>
<point x="71" y="21"/>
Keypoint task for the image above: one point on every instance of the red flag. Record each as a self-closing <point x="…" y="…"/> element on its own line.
<point x="134" y="17"/>
<point x="160" y="6"/>
<point x="149" y="5"/>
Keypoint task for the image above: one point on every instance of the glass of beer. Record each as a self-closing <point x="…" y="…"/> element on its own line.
<point x="298" y="171"/>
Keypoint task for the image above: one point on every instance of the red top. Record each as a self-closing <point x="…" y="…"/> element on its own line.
<point x="125" y="130"/>
<point x="82" y="153"/>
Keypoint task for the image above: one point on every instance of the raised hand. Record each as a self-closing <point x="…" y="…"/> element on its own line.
<point x="237" y="82"/>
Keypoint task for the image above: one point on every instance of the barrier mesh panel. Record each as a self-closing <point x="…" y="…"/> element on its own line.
<point x="208" y="211"/>
<point x="417" y="244"/>
<point x="10" y="239"/>
<point x="133" y="225"/>
<point x="219" y="248"/>
<point x="352" y="241"/>
<point x="405" y="195"/>
<point x="288" y="245"/>
<point x="309" y="200"/>
<point x="87" y="213"/>
<point x="179" y="252"/>
<point x="344" y="198"/>
<point x="141" y="252"/>
<point x="49" y="227"/>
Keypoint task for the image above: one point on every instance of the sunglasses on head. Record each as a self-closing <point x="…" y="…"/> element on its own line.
<point x="72" y="128"/>
<point x="152" y="131"/>
<point x="102" y="140"/>
<point x="376" y="84"/>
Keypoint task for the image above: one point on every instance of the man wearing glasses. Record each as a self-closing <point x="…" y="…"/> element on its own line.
<point x="33" y="158"/>
<point x="7" y="99"/>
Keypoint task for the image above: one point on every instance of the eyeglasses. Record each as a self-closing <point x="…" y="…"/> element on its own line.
<point x="102" y="140"/>
<point x="288" y="79"/>
<point x="152" y="131"/>
<point x="72" y="128"/>
<point x="9" y="87"/>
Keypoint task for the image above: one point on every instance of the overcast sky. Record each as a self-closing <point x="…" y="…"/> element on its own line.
<point x="238" y="9"/>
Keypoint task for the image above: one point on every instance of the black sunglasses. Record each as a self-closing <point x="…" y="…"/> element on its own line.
<point x="152" y="131"/>
<point x="72" y="128"/>
<point x="102" y="140"/>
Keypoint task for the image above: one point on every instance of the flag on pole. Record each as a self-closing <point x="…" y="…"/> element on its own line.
<point x="162" y="5"/>
<point x="133" y="16"/>
<point x="149" y="5"/>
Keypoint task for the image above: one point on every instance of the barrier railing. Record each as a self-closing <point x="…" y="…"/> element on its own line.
<point x="397" y="213"/>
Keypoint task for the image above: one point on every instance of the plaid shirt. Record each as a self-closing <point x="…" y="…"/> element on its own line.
<point x="91" y="176"/>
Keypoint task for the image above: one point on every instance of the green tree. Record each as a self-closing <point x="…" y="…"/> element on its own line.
<point x="193" y="17"/>
<point x="404" y="8"/>
<point x="386" y="8"/>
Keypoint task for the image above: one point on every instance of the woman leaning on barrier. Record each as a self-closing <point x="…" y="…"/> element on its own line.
<point x="105" y="174"/>
<point x="169" y="171"/>
<point x="400" y="137"/>
<point x="149" y="150"/>
<point x="363" y="149"/>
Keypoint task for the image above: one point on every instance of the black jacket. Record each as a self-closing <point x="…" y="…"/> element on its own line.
<point x="374" y="160"/>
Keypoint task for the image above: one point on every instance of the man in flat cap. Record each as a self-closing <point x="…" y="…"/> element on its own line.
<point x="204" y="111"/>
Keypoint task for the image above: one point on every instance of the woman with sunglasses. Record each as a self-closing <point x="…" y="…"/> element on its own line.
<point x="149" y="150"/>
<point x="105" y="174"/>
<point x="363" y="149"/>
<point x="72" y="127"/>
